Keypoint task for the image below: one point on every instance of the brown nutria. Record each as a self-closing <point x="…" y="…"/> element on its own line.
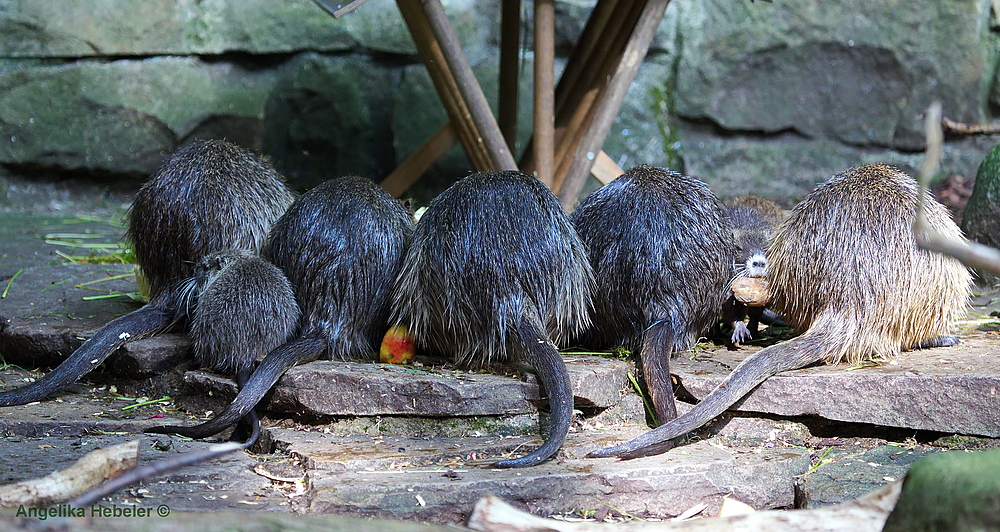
<point x="753" y="219"/>
<point x="207" y="197"/>
<point x="497" y="273"/>
<point x="662" y="253"/>
<point x="845" y="269"/>
<point x="341" y="245"/>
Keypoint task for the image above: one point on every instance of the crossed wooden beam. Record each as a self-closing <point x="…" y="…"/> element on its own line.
<point x="571" y="119"/>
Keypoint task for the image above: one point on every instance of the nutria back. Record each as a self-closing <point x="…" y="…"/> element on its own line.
<point x="341" y="245"/>
<point x="209" y="196"/>
<point x="245" y="308"/>
<point x="493" y="247"/>
<point x="847" y="251"/>
<point x="661" y="248"/>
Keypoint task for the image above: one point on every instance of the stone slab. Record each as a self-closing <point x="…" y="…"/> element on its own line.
<point x="845" y="476"/>
<point x="318" y="389"/>
<point x="661" y="486"/>
<point x="952" y="390"/>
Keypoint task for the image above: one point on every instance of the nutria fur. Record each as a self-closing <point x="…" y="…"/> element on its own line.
<point x="246" y="308"/>
<point x="340" y="245"/>
<point x="496" y="273"/>
<point x="662" y="253"/>
<point x="207" y="197"/>
<point x="845" y="270"/>
<point x="753" y="219"/>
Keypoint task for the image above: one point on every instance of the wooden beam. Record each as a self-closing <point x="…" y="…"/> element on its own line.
<point x="510" y="47"/>
<point x="605" y="168"/>
<point x="481" y="115"/>
<point x="611" y="100"/>
<point x="544" y="115"/>
<point x="445" y="83"/>
<point x="403" y="177"/>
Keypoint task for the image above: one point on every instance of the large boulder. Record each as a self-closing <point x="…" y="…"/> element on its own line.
<point x="981" y="221"/>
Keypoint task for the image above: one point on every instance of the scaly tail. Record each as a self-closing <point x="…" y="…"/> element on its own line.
<point x="548" y="364"/>
<point x="793" y="354"/>
<point x="657" y="345"/>
<point x="274" y="365"/>
<point x="142" y="323"/>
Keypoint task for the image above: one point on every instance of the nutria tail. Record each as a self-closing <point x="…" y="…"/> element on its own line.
<point x="809" y="348"/>
<point x="658" y="343"/>
<point x="541" y="353"/>
<point x="147" y="321"/>
<point x="274" y="365"/>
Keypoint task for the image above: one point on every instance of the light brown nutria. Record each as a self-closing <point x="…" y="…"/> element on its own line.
<point x="845" y="270"/>
<point x="209" y="196"/>
<point x="341" y="245"/>
<point x="496" y="272"/>
<point x="662" y="253"/>
<point x="753" y="219"/>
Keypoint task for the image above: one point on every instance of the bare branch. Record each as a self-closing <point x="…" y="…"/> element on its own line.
<point x="969" y="253"/>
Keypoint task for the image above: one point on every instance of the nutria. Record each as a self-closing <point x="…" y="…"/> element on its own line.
<point x="845" y="269"/>
<point x="207" y="197"/>
<point x="662" y="253"/>
<point x="496" y="273"/>
<point x="341" y="245"/>
<point x="245" y="308"/>
<point x="753" y="219"/>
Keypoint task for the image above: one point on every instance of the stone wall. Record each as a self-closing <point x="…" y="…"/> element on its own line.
<point x="764" y="97"/>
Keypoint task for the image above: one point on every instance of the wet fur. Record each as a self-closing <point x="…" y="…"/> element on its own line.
<point x="844" y="269"/>
<point x="246" y="308"/>
<point x="340" y="245"/>
<point x="662" y="253"/>
<point x="207" y="197"/>
<point x="496" y="273"/>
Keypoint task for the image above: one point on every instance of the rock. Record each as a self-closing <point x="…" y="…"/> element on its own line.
<point x="45" y="317"/>
<point x="333" y="388"/>
<point x="845" y="476"/>
<point x="122" y="28"/>
<point x="981" y="221"/>
<point x="950" y="491"/>
<point x="330" y="116"/>
<point x="941" y="389"/>
<point x="660" y="486"/>
<point x="848" y="74"/>
<point x="125" y="116"/>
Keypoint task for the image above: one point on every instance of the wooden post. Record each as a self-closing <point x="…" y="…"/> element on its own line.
<point x="416" y="164"/>
<point x="544" y="116"/>
<point x="445" y="83"/>
<point x="468" y="87"/>
<point x="510" y="46"/>
<point x="611" y="100"/>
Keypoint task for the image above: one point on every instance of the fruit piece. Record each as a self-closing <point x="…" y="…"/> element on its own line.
<point x="397" y="346"/>
<point x="751" y="291"/>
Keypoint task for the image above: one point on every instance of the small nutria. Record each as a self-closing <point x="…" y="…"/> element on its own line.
<point x="341" y="245"/>
<point x="245" y="308"/>
<point x="207" y="197"/>
<point x="662" y="253"/>
<point x="845" y="269"/>
<point x="496" y="273"/>
<point x="753" y="219"/>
